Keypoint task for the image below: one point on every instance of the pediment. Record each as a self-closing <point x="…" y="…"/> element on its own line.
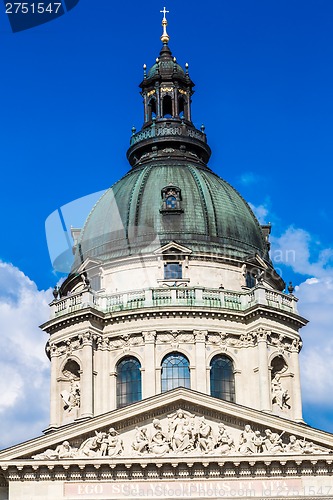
<point x="178" y="424"/>
<point x="256" y="260"/>
<point x="172" y="248"/>
<point x="88" y="264"/>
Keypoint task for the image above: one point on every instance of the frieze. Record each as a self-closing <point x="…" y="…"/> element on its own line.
<point x="223" y="339"/>
<point x="175" y="336"/>
<point x="184" y="434"/>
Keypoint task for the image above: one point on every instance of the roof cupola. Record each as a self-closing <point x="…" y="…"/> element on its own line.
<point x="167" y="90"/>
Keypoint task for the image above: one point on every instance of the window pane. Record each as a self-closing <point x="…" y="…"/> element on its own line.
<point x="128" y="382"/>
<point x="222" y="383"/>
<point x="175" y="372"/>
<point x="173" y="271"/>
<point x="171" y="202"/>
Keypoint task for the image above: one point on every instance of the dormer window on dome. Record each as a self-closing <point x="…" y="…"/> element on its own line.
<point x="171" y="196"/>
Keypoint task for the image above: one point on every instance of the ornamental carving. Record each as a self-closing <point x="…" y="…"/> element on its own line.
<point x="126" y="341"/>
<point x="184" y="434"/>
<point x="176" y="335"/>
<point x="228" y="340"/>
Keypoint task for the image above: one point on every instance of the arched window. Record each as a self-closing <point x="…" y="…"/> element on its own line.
<point x="128" y="381"/>
<point x="151" y="109"/>
<point x="222" y="382"/>
<point x="175" y="371"/>
<point x="182" y="108"/>
<point x="167" y="107"/>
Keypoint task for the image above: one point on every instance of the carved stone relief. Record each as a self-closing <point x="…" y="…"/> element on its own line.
<point x="230" y="340"/>
<point x="184" y="434"/>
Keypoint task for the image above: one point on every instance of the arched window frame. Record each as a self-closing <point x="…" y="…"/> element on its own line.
<point x="129" y="383"/>
<point x="183" y="107"/>
<point x="152" y="109"/>
<point x="175" y="372"/>
<point x="167" y="106"/>
<point x="222" y="378"/>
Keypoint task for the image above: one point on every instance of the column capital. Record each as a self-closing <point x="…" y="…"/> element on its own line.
<point x="149" y="336"/>
<point x="262" y="334"/>
<point x="200" y="335"/>
<point x="86" y="338"/>
<point x="296" y="345"/>
<point x="52" y="348"/>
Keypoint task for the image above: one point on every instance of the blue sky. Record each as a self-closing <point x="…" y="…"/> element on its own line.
<point x="264" y="90"/>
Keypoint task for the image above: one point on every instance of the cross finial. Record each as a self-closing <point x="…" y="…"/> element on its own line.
<point x="164" y="11"/>
<point x="165" y="37"/>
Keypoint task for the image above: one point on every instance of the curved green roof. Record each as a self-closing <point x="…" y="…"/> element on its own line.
<point x="127" y="220"/>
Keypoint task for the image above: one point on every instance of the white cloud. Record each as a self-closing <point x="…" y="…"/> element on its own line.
<point x="261" y="212"/>
<point x="303" y="253"/>
<point x="24" y="367"/>
<point x="249" y="178"/>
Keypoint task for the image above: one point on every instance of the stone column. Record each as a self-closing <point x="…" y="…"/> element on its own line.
<point x="296" y="402"/>
<point x="264" y="378"/>
<point x="55" y="393"/>
<point x="87" y="375"/>
<point x="200" y="361"/>
<point x="149" y="373"/>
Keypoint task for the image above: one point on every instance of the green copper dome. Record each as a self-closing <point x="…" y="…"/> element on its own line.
<point x="130" y="218"/>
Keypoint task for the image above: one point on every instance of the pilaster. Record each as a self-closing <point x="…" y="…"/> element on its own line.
<point x="200" y="360"/>
<point x="149" y="374"/>
<point x="296" y="402"/>
<point x="54" y="394"/>
<point x="264" y="378"/>
<point x="87" y="375"/>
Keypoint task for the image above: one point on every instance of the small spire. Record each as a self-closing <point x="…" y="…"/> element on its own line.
<point x="145" y="71"/>
<point x="165" y="37"/>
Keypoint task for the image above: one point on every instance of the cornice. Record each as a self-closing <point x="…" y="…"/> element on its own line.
<point x="164" y="469"/>
<point x="245" y="317"/>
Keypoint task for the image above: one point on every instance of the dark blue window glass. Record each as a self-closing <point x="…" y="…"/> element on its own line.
<point x="222" y="381"/>
<point x="128" y="381"/>
<point x="175" y="372"/>
<point x="173" y="271"/>
<point x="171" y="202"/>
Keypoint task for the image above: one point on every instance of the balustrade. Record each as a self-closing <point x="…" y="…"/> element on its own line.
<point x="165" y="130"/>
<point x="174" y="296"/>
